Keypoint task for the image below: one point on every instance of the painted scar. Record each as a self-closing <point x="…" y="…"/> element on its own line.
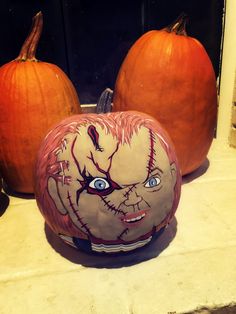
<point x="93" y="134"/>
<point x="83" y="225"/>
<point x="152" y="153"/>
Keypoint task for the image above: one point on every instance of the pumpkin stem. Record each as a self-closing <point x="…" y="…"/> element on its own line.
<point x="178" y="26"/>
<point x="29" y="47"/>
<point x="105" y="101"/>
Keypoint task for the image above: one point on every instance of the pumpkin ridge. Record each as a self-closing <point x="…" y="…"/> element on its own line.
<point x="12" y="126"/>
<point x="190" y="132"/>
<point x="209" y="118"/>
<point x="25" y="108"/>
<point x="43" y="99"/>
<point x="5" y="69"/>
<point x="69" y="91"/>
<point x="67" y="85"/>
<point x="143" y="43"/>
<point x="63" y="83"/>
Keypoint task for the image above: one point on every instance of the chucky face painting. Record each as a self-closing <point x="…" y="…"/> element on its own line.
<point x="111" y="179"/>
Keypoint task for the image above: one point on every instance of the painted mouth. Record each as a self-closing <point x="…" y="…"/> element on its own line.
<point x="134" y="219"/>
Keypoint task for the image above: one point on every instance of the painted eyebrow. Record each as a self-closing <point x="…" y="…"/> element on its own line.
<point x="152" y="172"/>
<point x="156" y="168"/>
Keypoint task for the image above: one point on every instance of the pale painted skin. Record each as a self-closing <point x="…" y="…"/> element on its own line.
<point x="143" y="189"/>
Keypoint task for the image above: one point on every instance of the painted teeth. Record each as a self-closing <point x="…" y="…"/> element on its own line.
<point x="135" y="219"/>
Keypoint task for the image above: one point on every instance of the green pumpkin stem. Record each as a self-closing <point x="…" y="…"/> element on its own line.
<point x="30" y="45"/>
<point x="178" y="26"/>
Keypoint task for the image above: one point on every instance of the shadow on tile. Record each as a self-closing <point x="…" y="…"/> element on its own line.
<point x="197" y="173"/>
<point x="4" y="203"/>
<point x="159" y="243"/>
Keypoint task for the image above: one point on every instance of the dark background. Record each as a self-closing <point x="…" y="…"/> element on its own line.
<point x="88" y="39"/>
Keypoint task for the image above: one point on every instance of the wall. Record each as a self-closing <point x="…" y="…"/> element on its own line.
<point x="88" y="39"/>
<point x="225" y="131"/>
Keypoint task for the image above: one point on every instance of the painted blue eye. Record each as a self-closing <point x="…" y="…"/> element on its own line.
<point x="152" y="182"/>
<point x="99" y="184"/>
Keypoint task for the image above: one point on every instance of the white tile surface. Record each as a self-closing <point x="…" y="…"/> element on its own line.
<point x="191" y="264"/>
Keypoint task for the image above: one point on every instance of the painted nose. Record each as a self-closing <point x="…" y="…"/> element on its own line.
<point x="133" y="199"/>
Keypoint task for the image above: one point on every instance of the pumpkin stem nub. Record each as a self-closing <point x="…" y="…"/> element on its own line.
<point x="29" y="47"/>
<point x="178" y="26"/>
<point x="105" y="101"/>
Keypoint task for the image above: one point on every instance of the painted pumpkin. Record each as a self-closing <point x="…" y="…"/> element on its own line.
<point x="169" y="75"/>
<point x="34" y="96"/>
<point x="107" y="182"/>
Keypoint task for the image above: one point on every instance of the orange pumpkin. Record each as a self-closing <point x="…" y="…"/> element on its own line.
<point x="34" y="96"/>
<point x="107" y="182"/>
<point x="169" y="75"/>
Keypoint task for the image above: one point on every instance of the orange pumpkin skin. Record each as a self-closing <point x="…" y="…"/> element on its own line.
<point x="170" y="77"/>
<point x="34" y="96"/>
